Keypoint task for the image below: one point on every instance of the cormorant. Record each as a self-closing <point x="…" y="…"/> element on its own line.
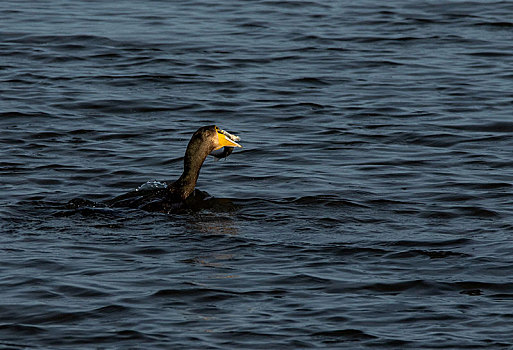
<point x="206" y="140"/>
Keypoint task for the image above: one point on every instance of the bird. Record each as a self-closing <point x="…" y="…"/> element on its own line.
<point x="207" y="140"/>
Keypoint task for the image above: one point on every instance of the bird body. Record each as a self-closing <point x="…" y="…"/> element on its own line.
<point x="165" y="199"/>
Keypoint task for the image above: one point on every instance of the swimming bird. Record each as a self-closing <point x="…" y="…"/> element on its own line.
<point x="208" y="140"/>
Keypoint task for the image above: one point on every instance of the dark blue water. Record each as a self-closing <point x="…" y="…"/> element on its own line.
<point x="371" y="205"/>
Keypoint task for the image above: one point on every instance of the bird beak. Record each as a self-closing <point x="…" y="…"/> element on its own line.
<point x="226" y="139"/>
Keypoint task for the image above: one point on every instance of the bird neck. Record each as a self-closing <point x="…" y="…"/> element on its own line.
<point x="196" y="153"/>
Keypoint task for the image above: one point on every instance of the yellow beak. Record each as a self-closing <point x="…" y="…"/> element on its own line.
<point x="225" y="140"/>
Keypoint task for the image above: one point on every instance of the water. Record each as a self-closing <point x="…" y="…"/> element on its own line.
<point x="370" y="207"/>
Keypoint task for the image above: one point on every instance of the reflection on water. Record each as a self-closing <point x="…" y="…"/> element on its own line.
<point x="212" y="223"/>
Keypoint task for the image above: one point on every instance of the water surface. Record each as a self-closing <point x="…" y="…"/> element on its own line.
<point x="369" y="208"/>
